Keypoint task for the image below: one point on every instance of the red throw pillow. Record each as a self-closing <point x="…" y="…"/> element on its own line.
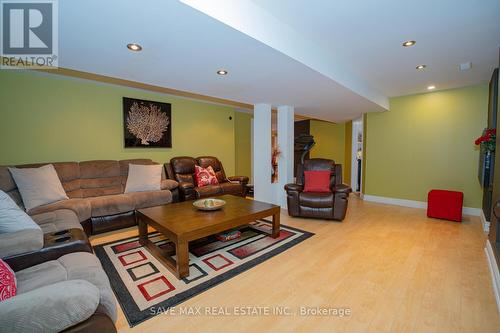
<point x="317" y="181"/>
<point x="205" y="176"/>
<point x="7" y="281"/>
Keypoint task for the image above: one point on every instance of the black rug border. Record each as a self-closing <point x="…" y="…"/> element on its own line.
<point x="135" y="316"/>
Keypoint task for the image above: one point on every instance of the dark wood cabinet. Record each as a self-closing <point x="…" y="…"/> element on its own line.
<point x="494" y="106"/>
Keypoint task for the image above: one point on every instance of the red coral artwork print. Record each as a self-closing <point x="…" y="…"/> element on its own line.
<point x="147" y="123"/>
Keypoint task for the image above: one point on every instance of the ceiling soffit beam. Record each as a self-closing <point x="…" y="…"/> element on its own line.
<point x="250" y="19"/>
<point x="239" y="106"/>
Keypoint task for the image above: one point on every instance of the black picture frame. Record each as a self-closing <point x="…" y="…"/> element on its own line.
<point x="147" y="124"/>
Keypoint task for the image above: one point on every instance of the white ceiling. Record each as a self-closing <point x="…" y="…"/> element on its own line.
<point x="366" y="36"/>
<point x="352" y="63"/>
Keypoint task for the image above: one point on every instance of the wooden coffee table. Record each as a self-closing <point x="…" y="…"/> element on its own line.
<point x="182" y="223"/>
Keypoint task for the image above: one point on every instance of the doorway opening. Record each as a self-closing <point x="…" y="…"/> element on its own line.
<point x="357" y="155"/>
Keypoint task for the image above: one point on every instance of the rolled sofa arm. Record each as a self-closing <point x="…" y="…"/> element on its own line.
<point x="51" y="308"/>
<point x="186" y="191"/>
<point x="292" y="198"/>
<point x="169" y="184"/>
<point x="341" y="188"/>
<point x="341" y="196"/>
<point x="294" y="187"/>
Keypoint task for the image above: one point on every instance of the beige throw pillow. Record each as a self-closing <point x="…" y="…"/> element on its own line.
<point x="143" y="178"/>
<point x="38" y="186"/>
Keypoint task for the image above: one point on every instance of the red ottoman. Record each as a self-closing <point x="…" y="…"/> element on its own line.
<point x="446" y="205"/>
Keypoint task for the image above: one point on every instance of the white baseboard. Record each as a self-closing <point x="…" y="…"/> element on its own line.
<point x="415" y="204"/>
<point x="486" y="224"/>
<point x="495" y="274"/>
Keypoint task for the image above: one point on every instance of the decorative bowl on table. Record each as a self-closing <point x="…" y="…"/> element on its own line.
<point x="209" y="204"/>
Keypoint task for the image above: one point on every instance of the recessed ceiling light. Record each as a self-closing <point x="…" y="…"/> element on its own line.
<point x="421" y="67"/>
<point x="432" y="87"/>
<point x="222" y="72"/>
<point x="134" y="47"/>
<point x="465" y="66"/>
<point x="409" y="43"/>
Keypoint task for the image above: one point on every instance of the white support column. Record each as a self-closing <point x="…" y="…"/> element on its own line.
<point x="286" y="145"/>
<point x="263" y="189"/>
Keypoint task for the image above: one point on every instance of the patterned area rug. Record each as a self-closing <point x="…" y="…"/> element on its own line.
<point x="142" y="283"/>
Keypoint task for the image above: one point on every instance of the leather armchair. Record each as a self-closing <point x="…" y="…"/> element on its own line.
<point x="331" y="205"/>
<point x="182" y="169"/>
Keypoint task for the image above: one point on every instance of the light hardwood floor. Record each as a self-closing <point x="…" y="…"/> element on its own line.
<point x="397" y="271"/>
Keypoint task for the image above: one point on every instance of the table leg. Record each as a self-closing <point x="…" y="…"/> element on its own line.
<point x="182" y="262"/>
<point x="143" y="231"/>
<point x="276" y="225"/>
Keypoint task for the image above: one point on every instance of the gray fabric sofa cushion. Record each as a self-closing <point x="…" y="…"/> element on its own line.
<point x="150" y="198"/>
<point x="41" y="275"/>
<point x="51" y="308"/>
<point x="81" y="207"/>
<point x="86" y="266"/>
<point x="57" y="220"/>
<point x="13" y="218"/>
<point x="18" y="232"/>
<point x="19" y="242"/>
<point x="73" y="266"/>
<point x="111" y="204"/>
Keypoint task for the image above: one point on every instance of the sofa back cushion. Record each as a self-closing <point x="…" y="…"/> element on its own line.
<point x="98" y="178"/>
<point x="38" y="186"/>
<point x="184" y="169"/>
<point x="316" y="164"/>
<point x="68" y="173"/>
<point x="205" y="161"/>
<point x="8" y="185"/>
<point x="81" y="179"/>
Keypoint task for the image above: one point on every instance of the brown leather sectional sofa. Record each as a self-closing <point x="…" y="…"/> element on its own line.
<point x="331" y="205"/>
<point x="96" y="193"/>
<point x="182" y="170"/>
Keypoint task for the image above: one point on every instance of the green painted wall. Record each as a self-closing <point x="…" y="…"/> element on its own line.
<point x="330" y="140"/>
<point x="53" y="118"/>
<point x="426" y="141"/>
<point x="243" y="144"/>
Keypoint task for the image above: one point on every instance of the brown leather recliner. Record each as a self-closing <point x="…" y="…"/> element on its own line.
<point x="331" y="205"/>
<point x="182" y="170"/>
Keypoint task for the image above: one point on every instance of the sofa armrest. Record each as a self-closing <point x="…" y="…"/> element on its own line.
<point x="185" y="186"/>
<point x="338" y="174"/>
<point x="19" y="242"/>
<point x="51" y="308"/>
<point x="292" y="198"/>
<point x="240" y="179"/>
<point x="186" y="191"/>
<point x="292" y="187"/>
<point x="169" y="184"/>
<point x="341" y="188"/>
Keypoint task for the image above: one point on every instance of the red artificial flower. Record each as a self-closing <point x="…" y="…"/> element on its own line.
<point x="488" y="136"/>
